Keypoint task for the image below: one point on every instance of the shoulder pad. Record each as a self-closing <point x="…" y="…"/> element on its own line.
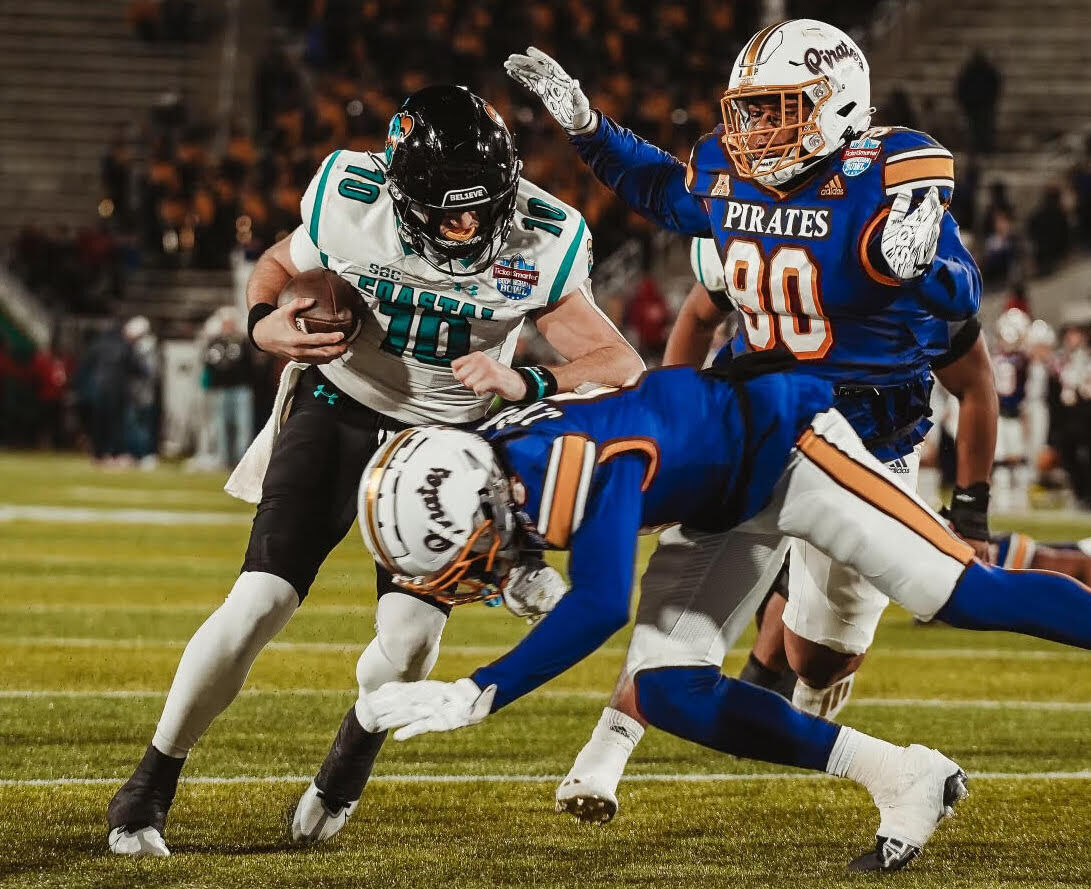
<point x="709" y="171"/>
<point x="554" y="238"/>
<point x="704" y="259"/>
<point x="354" y="175"/>
<point x="913" y="160"/>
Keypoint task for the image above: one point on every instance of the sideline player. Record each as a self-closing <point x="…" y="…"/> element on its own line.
<point x="452" y="251"/>
<point x="835" y="246"/>
<point x="748" y="455"/>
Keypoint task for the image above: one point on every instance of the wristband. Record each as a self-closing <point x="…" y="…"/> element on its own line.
<point x="257" y="312"/>
<point x="540" y="383"/>
<point x="969" y="512"/>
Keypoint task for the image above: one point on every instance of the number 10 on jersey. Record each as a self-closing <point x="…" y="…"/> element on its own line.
<point x="779" y="298"/>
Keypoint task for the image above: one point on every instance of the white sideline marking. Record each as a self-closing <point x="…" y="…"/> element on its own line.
<point x="534" y="779"/>
<point x="10" y="512"/>
<point x="1014" y="654"/>
<point x="603" y="694"/>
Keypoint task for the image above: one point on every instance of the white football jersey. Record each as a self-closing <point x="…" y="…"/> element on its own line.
<point x="423" y="318"/>
<point x="704" y="259"/>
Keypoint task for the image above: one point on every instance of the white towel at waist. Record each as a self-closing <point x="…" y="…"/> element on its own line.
<point x="245" y="482"/>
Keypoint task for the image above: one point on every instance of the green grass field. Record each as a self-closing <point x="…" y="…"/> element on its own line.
<point x="94" y="612"/>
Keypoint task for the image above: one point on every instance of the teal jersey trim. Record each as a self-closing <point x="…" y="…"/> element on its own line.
<point x="557" y="290"/>
<point x="700" y="265"/>
<point x="316" y="210"/>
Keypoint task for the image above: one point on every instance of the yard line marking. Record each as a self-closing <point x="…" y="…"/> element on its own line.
<point x="494" y="650"/>
<point x="602" y="694"/>
<point x="10" y="512"/>
<point x="659" y="777"/>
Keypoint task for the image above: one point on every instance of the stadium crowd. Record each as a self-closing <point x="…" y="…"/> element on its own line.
<point x="333" y="75"/>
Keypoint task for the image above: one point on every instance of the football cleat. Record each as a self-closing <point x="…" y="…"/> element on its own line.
<point x="143" y="841"/>
<point x="587" y="799"/>
<point x="923" y="789"/>
<point x="137" y="814"/>
<point x="316" y="819"/>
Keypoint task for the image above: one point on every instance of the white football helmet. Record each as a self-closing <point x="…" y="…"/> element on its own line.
<point x="435" y="511"/>
<point x="826" y="73"/>
<point x="1012" y="327"/>
<point x="1041" y="335"/>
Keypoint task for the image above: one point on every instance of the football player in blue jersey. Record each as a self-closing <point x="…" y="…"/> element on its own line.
<point x="833" y="242"/>
<point x="756" y="451"/>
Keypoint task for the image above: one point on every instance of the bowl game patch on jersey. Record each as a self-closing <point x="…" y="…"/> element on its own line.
<point x="859" y="155"/>
<point x="515" y="277"/>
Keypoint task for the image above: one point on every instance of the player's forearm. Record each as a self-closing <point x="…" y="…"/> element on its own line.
<point x="580" y="624"/>
<point x="975" y="438"/>
<point x="690" y="339"/>
<point x="269" y="276"/>
<point x="648" y="179"/>
<point x="611" y="365"/>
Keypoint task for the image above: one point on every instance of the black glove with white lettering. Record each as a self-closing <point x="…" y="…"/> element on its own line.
<point x="969" y="512"/>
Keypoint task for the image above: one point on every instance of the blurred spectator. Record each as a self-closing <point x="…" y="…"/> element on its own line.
<point x="228" y="379"/>
<point x="1070" y="426"/>
<point x="897" y="111"/>
<point x="142" y="408"/>
<point x="1080" y="181"/>
<point x="1049" y="230"/>
<point x="1001" y="250"/>
<point x="978" y="90"/>
<point x="102" y="380"/>
<point x="647" y="317"/>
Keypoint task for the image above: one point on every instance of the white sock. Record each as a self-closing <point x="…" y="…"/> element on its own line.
<point x="607" y="753"/>
<point x="861" y="757"/>
<point x="825" y="702"/>
<point x="218" y="658"/>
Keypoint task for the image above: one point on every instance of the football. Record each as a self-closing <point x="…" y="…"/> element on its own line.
<point x="338" y="306"/>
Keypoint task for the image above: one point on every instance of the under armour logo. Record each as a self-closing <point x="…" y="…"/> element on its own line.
<point x="330" y="397"/>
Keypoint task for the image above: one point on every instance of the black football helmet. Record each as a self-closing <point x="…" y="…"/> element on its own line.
<point x="448" y="151"/>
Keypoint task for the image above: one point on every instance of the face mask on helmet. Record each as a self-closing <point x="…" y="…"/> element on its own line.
<point x="453" y="177"/>
<point x="799" y="90"/>
<point x="460" y="238"/>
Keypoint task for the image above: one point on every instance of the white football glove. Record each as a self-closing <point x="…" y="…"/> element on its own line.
<point x="560" y="94"/>
<point x="533" y="589"/>
<point x="428" y="706"/>
<point x="909" y="242"/>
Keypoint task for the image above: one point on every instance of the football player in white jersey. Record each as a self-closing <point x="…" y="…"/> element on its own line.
<point x="452" y="251"/>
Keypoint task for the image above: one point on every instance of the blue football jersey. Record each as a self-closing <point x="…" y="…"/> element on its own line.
<point x="804" y="265"/>
<point x="588" y="473"/>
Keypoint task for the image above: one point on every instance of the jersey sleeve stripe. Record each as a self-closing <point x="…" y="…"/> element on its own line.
<point x="910" y="153"/>
<point x="883" y="494"/>
<point x="316" y="210"/>
<point x="862" y="251"/>
<point x="557" y="290"/>
<point x="644" y="446"/>
<point x="564" y="490"/>
<point x="1020" y="552"/>
<point x="900" y="173"/>
<point x="700" y="267"/>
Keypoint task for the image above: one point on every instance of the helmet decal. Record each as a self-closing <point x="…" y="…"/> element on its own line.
<point x="401" y="125"/>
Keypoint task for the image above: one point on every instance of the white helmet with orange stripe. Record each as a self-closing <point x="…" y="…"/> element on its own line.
<point x="797" y="92"/>
<point x="435" y="511"/>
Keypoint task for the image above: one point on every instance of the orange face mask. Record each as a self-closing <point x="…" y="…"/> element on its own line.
<point x="766" y="150"/>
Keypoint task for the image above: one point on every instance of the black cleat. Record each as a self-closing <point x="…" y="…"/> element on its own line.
<point x="328" y="803"/>
<point x="137" y="814"/>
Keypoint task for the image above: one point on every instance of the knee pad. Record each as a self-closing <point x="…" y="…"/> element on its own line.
<point x="406" y="643"/>
<point x="260" y="604"/>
